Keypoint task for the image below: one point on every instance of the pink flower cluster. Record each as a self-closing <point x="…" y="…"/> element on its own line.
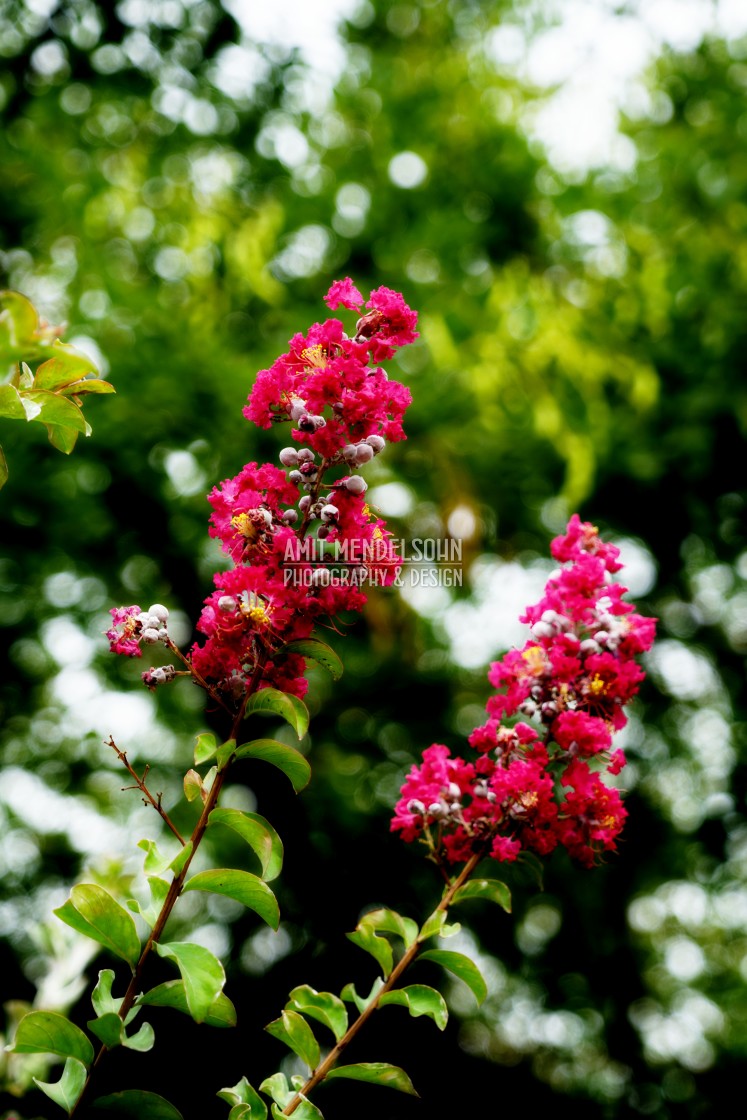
<point x="344" y="409"/>
<point x="533" y="786"/>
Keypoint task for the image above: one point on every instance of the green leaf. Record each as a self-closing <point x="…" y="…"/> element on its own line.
<point x="242" y="886"/>
<point x="47" y="1032"/>
<point x="389" y="921"/>
<point x="201" y="971"/>
<point x="244" y="1094"/>
<point x="350" y="995"/>
<point x="92" y="910"/>
<point x="192" y="785"/>
<point x="367" y="935"/>
<point x="18" y="325"/>
<point x="64" y="439"/>
<point x="181" y="858"/>
<point x="108" y="1028"/>
<point x="285" y="758"/>
<point x="376" y="1073"/>
<point x="155" y="861"/>
<point x="436" y="925"/>
<point x="139" y="1105"/>
<point x="419" y="1000"/>
<point x="491" y="889"/>
<point x="88" y="385"/>
<point x="101" y="997"/>
<point x="462" y="967"/>
<point x="142" y="1040"/>
<point x="277" y="1088"/>
<point x="283" y="704"/>
<point x="323" y="1006"/>
<point x="258" y="834"/>
<point x="205" y="747"/>
<point x="3" y="469"/>
<point x="66" y="366"/>
<point x="292" y="1029"/>
<point x="318" y="651"/>
<point x="11" y="405"/>
<point x="159" y="888"/>
<point x="50" y="408"/>
<point x="305" y="1110"/>
<point x="66" y="1092"/>
<point x="221" y="1013"/>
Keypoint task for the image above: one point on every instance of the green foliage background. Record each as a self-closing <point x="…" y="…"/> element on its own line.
<point x="183" y="199"/>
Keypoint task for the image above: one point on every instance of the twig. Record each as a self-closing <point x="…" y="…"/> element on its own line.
<point x="140" y="784"/>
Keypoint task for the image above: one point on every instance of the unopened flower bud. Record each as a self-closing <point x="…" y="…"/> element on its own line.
<point x="416" y="806"/>
<point x="304" y="504"/>
<point x="290" y="516"/>
<point x="378" y="443"/>
<point x="297" y="409"/>
<point x="295" y="477"/>
<point x="289" y="457"/>
<point x="454" y="790"/>
<point x="349" y="452"/>
<point x="355" y="484"/>
<point x="305" y="455"/>
<point x="150" y="636"/>
<point x="322" y="532"/>
<point x="364" y="453"/>
<point x="227" y="603"/>
<point x="329" y="513"/>
<point x="159" y="611"/>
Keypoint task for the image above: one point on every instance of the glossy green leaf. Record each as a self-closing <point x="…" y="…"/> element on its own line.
<point x="159" y="888"/>
<point x="138" y="1104"/>
<point x="285" y="758"/>
<point x="103" y="1000"/>
<point x="283" y="704"/>
<point x="242" y="886"/>
<point x="205" y="747"/>
<point x="155" y="861"/>
<point x="92" y="910"/>
<point x="66" y="366"/>
<point x="318" y="651"/>
<point x="66" y="1092"/>
<point x="48" y="1032"/>
<point x="460" y="966"/>
<point x="221" y="1013"/>
<point x="292" y="1029"/>
<point x="243" y="1112"/>
<point x="201" y="971"/>
<point x="181" y="858"/>
<point x="107" y="1028"/>
<point x="304" y="1111"/>
<point x="53" y="409"/>
<point x="323" y="1006"/>
<point x="11" y="405"/>
<point x="367" y="935"/>
<point x="376" y="1073"/>
<point x="64" y="439"/>
<point x="192" y="785"/>
<point x="350" y="995"/>
<point x="258" y="833"/>
<point x="437" y="924"/>
<point x="244" y="1095"/>
<point x="491" y="889"/>
<point x="419" y="1000"/>
<point x="277" y="1087"/>
<point x="389" y="921"/>
<point x="18" y="325"/>
<point x="142" y="1040"/>
<point x="89" y="386"/>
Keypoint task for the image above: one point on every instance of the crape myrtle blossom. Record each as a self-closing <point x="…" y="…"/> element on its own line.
<point x="534" y="786"/>
<point x="343" y="410"/>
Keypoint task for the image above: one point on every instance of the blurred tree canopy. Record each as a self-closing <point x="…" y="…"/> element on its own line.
<point x="183" y="197"/>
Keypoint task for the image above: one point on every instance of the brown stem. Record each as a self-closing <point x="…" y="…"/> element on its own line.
<point x="175" y="889"/>
<point x="406" y="960"/>
<point x="140" y="784"/>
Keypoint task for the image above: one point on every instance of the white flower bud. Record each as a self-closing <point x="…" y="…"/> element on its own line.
<point x="329" y="513"/>
<point x="378" y="443"/>
<point x="364" y="453"/>
<point x="150" y="636"/>
<point x="355" y="484"/>
<point x="305" y="455"/>
<point x="289" y="457"/>
<point x="227" y="603"/>
<point x="159" y="611"/>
